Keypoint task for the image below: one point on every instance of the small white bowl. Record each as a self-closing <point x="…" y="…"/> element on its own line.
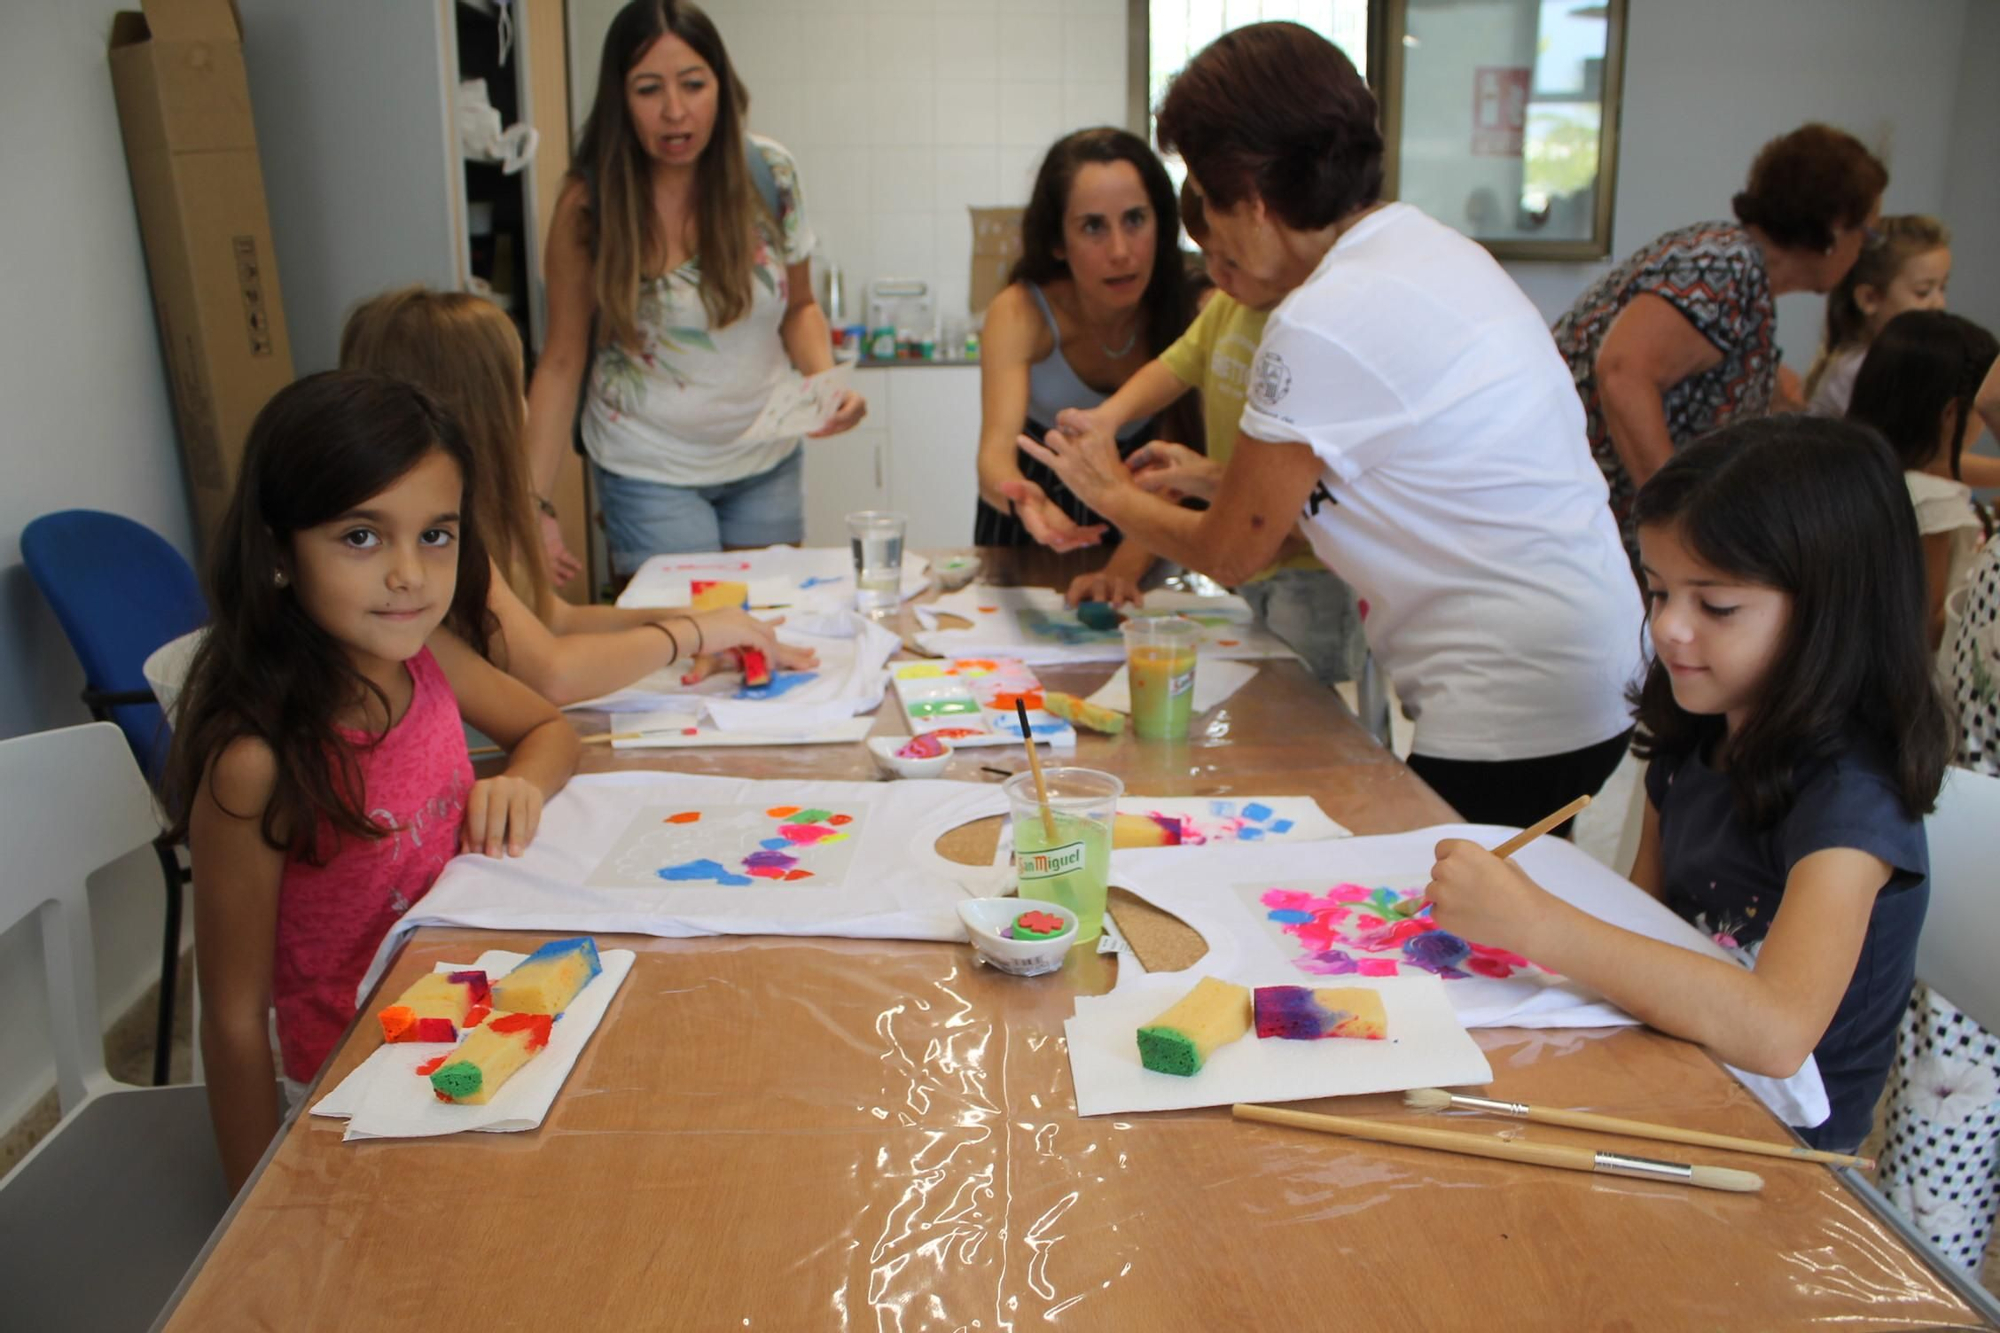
<point x="955" y="571"/>
<point x="985" y="918"/>
<point x="884" y="749"/>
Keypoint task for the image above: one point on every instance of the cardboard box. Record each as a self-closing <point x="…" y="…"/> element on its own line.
<point x="996" y="244"/>
<point x="184" y="104"/>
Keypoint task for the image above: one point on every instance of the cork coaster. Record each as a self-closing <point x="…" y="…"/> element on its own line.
<point x="1162" y="941"/>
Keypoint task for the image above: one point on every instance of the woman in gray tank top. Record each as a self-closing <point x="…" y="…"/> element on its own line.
<point x="1097" y="293"/>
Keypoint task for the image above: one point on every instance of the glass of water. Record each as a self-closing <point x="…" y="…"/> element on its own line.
<point x="876" y="538"/>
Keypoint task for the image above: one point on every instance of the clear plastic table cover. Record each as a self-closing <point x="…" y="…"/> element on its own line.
<point x="829" y="1134"/>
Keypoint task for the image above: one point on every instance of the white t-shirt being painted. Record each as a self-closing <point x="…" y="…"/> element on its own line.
<point x="1459" y="497"/>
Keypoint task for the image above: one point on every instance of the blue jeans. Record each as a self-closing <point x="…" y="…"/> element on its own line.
<point x="1314" y="612"/>
<point x="647" y="518"/>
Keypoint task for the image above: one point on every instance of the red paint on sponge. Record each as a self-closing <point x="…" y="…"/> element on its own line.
<point x="756" y="668"/>
<point x="538" y="1024"/>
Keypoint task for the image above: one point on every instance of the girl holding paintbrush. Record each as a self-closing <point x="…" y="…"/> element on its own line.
<point x="1797" y="740"/>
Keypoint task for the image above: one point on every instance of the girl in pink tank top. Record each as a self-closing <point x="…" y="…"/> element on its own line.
<point x="319" y="766"/>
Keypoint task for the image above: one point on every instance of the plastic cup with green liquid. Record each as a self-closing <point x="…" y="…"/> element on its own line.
<point x="1066" y="858"/>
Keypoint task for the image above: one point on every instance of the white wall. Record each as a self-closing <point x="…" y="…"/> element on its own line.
<point x="1707" y="82"/>
<point x="905" y="113"/>
<point x="87" y="425"/>
<point x="1972" y="170"/>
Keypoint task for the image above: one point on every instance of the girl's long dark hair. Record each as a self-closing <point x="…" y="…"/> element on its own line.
<point x="1922" y="362"/>
<point x="320" y="447"/>
<point x="1816" y="508"/>
<point x="624" y="226"/>
<point x="1167" y="304"/>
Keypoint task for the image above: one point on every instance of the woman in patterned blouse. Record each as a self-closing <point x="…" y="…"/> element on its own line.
<point x="1680" y="338"/>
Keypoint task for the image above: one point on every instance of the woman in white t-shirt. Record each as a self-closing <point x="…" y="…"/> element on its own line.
<point x="1408" y="403"/>
<point x="1917" y="386"/>
<point x="682" y="241"/>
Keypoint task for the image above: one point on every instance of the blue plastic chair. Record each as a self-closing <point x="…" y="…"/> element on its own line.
<point x="120" y="591"/>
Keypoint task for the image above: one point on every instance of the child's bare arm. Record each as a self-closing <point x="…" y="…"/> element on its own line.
<point x="237" y="875"/>
<point x="1765" y="1020"/>
<point x="503" y="813"/>
<point x="1153" y="388"/>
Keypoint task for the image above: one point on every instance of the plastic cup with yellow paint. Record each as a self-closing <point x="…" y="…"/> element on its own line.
<point x="1159" y="659"/>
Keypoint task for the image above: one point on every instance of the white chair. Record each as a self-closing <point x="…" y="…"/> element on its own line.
<point x="1955" y="955"/>
<point x="104" y="1216"/>
<point x="166" y="668"/>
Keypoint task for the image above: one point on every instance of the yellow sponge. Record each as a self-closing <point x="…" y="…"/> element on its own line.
<point x="436" y="1007"/>
<point x="490" y="1055"/>
<point x="1208" y="1017"/>
<point x="718" y="595"/>
<point x="548" y="979"/>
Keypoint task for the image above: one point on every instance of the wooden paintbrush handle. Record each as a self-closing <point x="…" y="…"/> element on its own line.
<point x="1538" y="828"/>
<point x="1422" y="1136"/>
<point x="1640" y="1129"/>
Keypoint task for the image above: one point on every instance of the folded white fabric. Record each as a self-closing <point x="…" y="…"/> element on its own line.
<point x="787" y="578"/>
<point x="676" y="855"/>
<point x="852" y="674"/>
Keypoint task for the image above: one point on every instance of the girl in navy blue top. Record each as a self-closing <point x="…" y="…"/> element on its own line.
<point x="1797" y="740"/>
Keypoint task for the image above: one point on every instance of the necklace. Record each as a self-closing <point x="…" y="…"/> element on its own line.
<point x="1115" y="352"/>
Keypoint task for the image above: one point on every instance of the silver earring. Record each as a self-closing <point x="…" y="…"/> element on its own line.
<point x="278" y="578"/>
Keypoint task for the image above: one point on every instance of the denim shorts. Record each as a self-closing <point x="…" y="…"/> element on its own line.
<point x="647" y="518"/>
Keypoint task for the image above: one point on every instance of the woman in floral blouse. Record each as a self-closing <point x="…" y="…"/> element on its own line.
<point x="679" y="280"/>
<point x="1680" y="338"/>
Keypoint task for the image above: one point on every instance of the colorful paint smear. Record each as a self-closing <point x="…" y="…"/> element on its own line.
<point x="1351" y="930"/>
<point x="781" y="684"/>
<point x="776" y="857"/>
<point x="1225" y="821"/>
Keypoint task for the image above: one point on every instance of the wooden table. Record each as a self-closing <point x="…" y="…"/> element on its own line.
<point x="803" y="1134"/>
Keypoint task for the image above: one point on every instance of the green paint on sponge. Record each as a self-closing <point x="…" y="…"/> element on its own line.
<point x="1098" y="615"/>
<point x="458" y="1080"/>
<point x="1167" y="1051"/>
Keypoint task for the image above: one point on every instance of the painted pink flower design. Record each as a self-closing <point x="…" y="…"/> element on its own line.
<point x="1337" y="939"/>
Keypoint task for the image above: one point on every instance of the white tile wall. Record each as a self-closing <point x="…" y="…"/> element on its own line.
<point x="905" y="113"/>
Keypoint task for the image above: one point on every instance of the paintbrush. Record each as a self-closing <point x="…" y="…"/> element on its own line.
<point x="1538" y="828"/>
<point x="1508" y="1150"/>
<point x="1035" y="763"/>
<point x="1524" y="837"/>
<point x="1437" y="1099"/>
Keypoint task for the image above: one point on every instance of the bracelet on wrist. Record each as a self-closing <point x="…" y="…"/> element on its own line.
<point x="672" y="638"/>
<point x="700" y="641"/>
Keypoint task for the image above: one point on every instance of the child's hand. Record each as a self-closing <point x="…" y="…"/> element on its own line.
<point x="1174" y="471"/>
<point x="501" y="812"/>
<point x="733" y="627"/>
<point x="1477" y="896"/>
<point x="1103" y="586"/>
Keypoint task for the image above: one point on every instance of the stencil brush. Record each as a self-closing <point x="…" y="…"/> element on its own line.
<point x="1437" y="1099"/>
<point x="1035" y="763"/>
<point x="1559" y="1155"/>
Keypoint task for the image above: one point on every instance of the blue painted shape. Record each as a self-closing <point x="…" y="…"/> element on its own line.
<point x="1222" y="809"/>
<point x="817" y="580"/>
<point x="1281" y="826"/>
<point x="1250" y="835"/>
<point x="703" y="869"/>
<point x="1257" y="812"/>
<point x="782" y="683"/>
<point x="1291" y="916"/>
<point x="774" y="844"/>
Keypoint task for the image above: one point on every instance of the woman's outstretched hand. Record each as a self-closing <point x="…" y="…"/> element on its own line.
<point x="1045" y="520"/>
<point x="845" y="417"/>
